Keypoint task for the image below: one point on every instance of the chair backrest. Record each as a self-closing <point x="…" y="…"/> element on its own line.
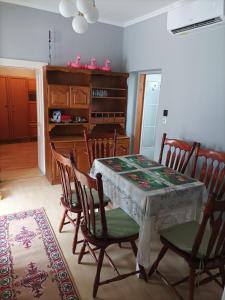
<point x="100" y="146"/>
<point x="85" y="185"/>
<point x="209" y="167"/>
<point x="178" y="154"/>
<point x="66" y="172"/>
<point x="213" y="219"/>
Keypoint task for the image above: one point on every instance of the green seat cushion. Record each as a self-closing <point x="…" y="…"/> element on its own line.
<point x="119" y="224"/>
<point x="95" y="196"/>
<point x="183" y="236"/>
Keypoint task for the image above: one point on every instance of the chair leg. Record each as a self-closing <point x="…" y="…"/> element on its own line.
<point x="160" y="256"/>
<point x="134" y="247"/>
<point x="222" y="274"/>
<point x="97" y="277"/>
<point x="77" y="226"/>
<point x="81" y="254"/>
<point x="63" y="220"/>
<point x="191" y="283"/>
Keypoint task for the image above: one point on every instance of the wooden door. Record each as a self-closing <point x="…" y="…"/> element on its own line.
<point x="79" y="96"/>
<point x="4" y="111"/>
<point x="58" y="96"/>
<point x="32" y="85"/>
<point x="32" y="119"/>
<point x="18" y="94"/>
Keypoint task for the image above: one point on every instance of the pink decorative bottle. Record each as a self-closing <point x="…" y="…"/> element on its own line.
<point x="107" y="65"/>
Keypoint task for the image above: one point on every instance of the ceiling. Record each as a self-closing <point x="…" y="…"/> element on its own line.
<point x="115" y="12"/>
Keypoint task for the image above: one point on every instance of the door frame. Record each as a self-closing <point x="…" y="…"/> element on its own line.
<point x="37" y="66"/>
<point x="139" y="112"/>
<point x="140" y="106"/>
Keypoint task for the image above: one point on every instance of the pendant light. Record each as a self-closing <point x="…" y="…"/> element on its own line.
<point x="84" y="12"/>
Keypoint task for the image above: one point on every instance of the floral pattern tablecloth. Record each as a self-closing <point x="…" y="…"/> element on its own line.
<point x="153" y="195"/>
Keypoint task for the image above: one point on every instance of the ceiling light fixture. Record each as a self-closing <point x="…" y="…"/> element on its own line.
<point x="83" y="12"/>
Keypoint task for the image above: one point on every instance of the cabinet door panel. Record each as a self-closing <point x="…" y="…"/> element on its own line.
<point x="79" y="96"/>
<point x="58" y="96"/>
<point x="18" y="94"/>
<point x="4" y="111"/>
<point x="122" y="147"/>
<point x="81" y="157"/>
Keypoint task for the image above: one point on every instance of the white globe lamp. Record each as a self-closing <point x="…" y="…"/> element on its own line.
<point x="67" y="8"/>
<point x="84" y="6"/>
<point x="79" y="24"/>
<point x="92" y="16"/>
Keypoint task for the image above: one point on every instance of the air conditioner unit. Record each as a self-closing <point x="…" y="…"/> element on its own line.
<point x="195" y="14"/>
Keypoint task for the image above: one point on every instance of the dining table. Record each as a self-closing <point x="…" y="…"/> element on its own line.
<point x="155" y="196"/>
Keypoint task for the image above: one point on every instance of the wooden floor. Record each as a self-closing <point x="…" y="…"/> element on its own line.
<point x="18" y="156"/>
<point x="35" y="192"/>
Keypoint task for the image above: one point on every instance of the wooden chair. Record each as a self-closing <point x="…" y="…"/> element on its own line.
<point x="209" y="167"/>
<point x="201" y="245"/>
<point x="178" y="155"/>
<point x="103" y="228"/>
<point x="70" y="199"/>
<point x="100" y="146"/>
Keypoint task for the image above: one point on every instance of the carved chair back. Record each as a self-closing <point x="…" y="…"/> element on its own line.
<point x="213" y="219"/>
<point x="178" y="154"/>
<point x="85" y="185"/>
<point x="209" y="167"/>
<point x="66" y="172"/>
<point x="100" y="146"/>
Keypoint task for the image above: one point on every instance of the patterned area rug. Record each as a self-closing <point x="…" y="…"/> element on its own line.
<point x="31" y="262"/>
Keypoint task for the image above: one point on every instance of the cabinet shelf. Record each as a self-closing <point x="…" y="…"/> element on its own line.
<point x="108" y="88"/>
<point x="53" y="125"/>
<point x="107" y="97"/>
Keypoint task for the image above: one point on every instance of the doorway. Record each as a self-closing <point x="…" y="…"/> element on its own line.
<point x="18" y="123"/>
<point x="37" y="69"/>
<point x="149" y="85"/>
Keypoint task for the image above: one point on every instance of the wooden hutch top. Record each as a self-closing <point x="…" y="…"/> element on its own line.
<point x="94" y="100"/>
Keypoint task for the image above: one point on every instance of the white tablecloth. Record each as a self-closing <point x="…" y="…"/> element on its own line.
<point x="163" y="207"/>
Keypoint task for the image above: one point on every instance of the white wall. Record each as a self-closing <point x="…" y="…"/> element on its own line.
<point x="193" y="79"/>
<point x="24" y="36"/>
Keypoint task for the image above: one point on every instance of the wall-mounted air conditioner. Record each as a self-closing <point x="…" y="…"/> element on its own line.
<point x="195" y="14"/>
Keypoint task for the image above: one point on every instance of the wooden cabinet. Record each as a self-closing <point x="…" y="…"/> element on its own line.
<point x="4" y="111"/>
<point x="79" y="96"/>
<point x="62" y="96"/>
<point x="87" y="99"/>
<point x="58" y="96"/>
